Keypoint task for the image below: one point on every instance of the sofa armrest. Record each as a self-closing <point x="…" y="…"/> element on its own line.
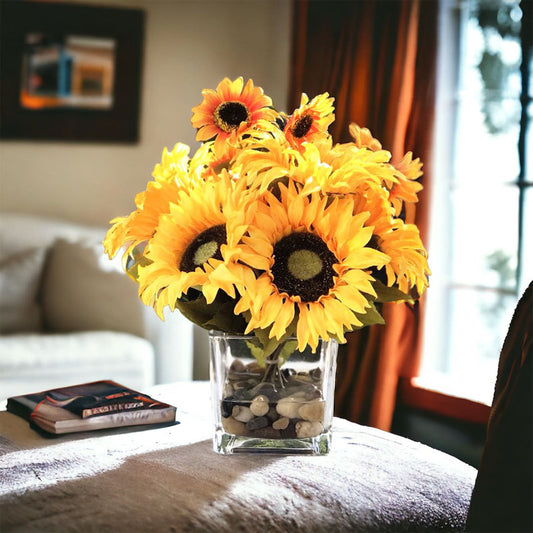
<point x="35" y="362"/>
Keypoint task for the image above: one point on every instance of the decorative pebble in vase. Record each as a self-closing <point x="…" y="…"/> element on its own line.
<point x="282" y="403"/>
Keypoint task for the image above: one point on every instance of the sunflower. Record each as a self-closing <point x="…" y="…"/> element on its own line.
<point x="265" y="156"/>
<point x="317" y="166"/>
<point x="195" y="245"/>
<point x="311" y="263"/>
<point x="206" y="164"/>
<point x="222" y="112"/>
<point x="139" y="226"/>
<point x="374" y="199"/>
<point x="363" y="138"/>
<point x="408" y="267"/>
<point x="170" y="177"/>
<point x="343" y="168"/>
<point x="406" y="188"/>
<point x="117" y="235"/>
<point x="311" y="120"/>
<point x="173" y="164"/>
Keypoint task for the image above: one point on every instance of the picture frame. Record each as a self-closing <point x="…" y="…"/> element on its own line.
<point x="70" y="72"/>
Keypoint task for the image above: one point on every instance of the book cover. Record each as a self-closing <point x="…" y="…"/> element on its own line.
<point x="90" y="406"/>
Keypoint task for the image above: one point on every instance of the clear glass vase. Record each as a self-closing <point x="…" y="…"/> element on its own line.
<point x="281" y="404"/>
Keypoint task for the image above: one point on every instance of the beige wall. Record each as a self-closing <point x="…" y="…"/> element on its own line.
<point x="189" y="45"/>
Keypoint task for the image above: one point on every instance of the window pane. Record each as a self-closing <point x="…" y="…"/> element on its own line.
<point x="492" y="51"/>
<point x="489" y="95"/>
<point x="531" y="76"/>
<point x="527" y="241"/>
<point x="479" y="323"/>
<point x="486" y="155"/>
<point x="485" y="236"/>
<point x="529" y="143"/>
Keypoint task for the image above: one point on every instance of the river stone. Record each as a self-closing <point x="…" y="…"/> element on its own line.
<point x="300" y="388"/>
<point x="243" y="395"/>
<point x="266" y="433"/>
<point x="288" y="372"/>
<point x="255" y="367"/>
<point x="305" y="429"/>
<point x="239" y="385"/>
<point x="226" y="407"/>
<point x="266" y="389"/>
<point x="289" y="407"/>
<point x="290" y="431"/>
<point x="312" y="411"/>
<point x="281" y="423"/>
<point x="316" y="374"/>
<point x="242" y="413"/>
<point x="233" y="426"/>
<point x="257" y="423"/>
<point x="259" y="405"/>
<point x="272" y="414"/>
<point x="237" y="366"/>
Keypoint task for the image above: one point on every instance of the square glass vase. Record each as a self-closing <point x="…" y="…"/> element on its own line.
<point x="281" y="404"/>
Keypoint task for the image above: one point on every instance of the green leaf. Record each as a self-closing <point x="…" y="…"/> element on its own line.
<point x="371" y="317"/>
<point x="389" y="294"/>
<point x="288" y="348"/>
<point x="226" y="320"/>
<point x="217" y="315"/>
<point x="336" y="337"/>
<point x="284" y="349"/>
<point x="258" y="352"/>
<point x="267" y="346"/>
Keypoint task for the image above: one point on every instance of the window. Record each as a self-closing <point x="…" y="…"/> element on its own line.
<point x="480" y="245"/>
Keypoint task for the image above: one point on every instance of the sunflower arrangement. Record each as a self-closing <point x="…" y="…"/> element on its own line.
<point x="270" y="228"/>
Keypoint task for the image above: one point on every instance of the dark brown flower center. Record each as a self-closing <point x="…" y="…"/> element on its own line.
<point x="229" y="115"/>
<point x="204" y="247"/>
<point x="302" y="126"/>
<point x="303" y="266"/>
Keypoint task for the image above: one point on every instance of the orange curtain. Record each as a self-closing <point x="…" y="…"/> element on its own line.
<point x="377" y="58"/>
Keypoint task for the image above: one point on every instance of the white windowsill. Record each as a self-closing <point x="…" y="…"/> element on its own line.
<point x="476" y="392"/>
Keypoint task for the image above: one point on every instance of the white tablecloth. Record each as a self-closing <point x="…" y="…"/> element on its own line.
<point x="169" y="479"/>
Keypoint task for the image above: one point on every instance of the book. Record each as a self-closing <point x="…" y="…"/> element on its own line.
<point x="90" y="406"/>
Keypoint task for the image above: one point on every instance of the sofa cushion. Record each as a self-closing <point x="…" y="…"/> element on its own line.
<point x="20" y="276"/>
<point x="83" y="291"/>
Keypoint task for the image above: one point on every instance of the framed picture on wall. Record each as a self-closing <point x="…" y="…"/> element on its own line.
<point x="70" y="72"/>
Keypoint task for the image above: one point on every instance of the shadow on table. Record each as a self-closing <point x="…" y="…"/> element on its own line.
<point x="171" y="489"/>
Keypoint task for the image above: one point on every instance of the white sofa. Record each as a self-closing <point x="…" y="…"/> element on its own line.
<point x="68" y="314"/>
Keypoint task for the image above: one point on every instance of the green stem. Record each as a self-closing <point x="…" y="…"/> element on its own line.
<point x="273" y="373"/>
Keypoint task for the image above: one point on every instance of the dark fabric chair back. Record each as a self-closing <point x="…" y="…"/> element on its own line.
<point x="502" y="499"/>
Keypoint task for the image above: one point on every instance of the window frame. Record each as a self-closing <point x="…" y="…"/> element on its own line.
<point x="422" y="391"/>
